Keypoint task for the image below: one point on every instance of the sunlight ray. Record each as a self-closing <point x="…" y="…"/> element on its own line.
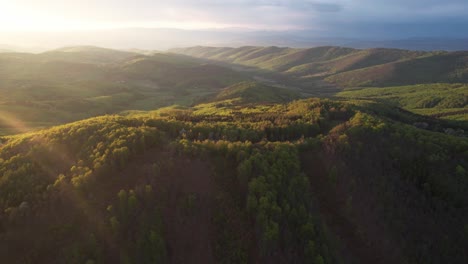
<point x="9" y="121"/>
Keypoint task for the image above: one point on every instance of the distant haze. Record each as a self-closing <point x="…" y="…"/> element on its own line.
<point x="413" y="24"/>
<point x="163" y="39"/>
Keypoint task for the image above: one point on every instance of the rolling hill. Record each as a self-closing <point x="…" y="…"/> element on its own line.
<point x="254" y="92"/>
<point x="344" y="67"/>
<point x="73" y="83"/>
<point x="321" y="180"/>
<point x="438" y="68"/>
<point x="333" y="71"/>
<point x="441" y="100"/>
<point x="53" y="87"/>
<point x="266" y="58"/>
<point x="50" y="87"/>
<point x="213" y="155"/>
<point x="355" y="60"/>
<point x="87" y="54"/>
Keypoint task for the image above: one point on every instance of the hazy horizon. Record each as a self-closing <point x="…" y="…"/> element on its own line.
<point x="143" y="24"/>
<point x="163" y="39"/>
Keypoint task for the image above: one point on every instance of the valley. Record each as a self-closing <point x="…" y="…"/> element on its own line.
<point x="234" y="155"/>
<point x="51" y="88"/>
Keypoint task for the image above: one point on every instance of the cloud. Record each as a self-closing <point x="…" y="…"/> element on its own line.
<point x="323" y="15"/>
<point x="415" y="10"/>
<point x="327" y="7"/>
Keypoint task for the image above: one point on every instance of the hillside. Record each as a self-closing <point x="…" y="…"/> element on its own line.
<point x="335" y="71"/>
<point x="214" y="156"/>
<point x="448" y="68"/>
<point x="64" y="85"/>
<point x="448" y="101"/>
<point x="344" y="67"/>
<point x="267" y="58"/>
<point x="72" y="83"/>
<point x="254" y="92"/>
<point x="87" y="54"/>
<point x="264" y="183"/>
<point x="356" y="60"/>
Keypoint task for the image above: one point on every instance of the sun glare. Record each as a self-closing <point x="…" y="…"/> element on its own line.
<point x="11" y="121"/>
<point x="16" y="17"/>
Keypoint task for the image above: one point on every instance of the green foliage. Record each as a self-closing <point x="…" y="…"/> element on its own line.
<point x="73" y="83"/>
<point x="418" y="176"/>
<point x="270" y="58"/>
<point x="306" y="181"/>
<point x="85" y="150"/>
<point x="137" y="226"/>
<point x="279" y="200"/>
<point x="252" y="92"/>
<point x="438" y="67"/>
<point x="108" y="183"/>
<point x="439" y="100"/>
<point x="460" y="171"/>
<point x="343" y="66"/>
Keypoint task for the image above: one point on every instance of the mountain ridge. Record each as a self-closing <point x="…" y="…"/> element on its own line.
<point x="334" y="64"/>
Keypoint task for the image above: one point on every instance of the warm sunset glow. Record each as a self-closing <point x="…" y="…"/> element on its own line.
<point x="32" y="17"/>
<point x="9" y="120"/>
<point x="335" y="17"/>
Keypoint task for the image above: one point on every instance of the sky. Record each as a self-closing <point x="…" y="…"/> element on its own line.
<point x="122" y="23"/>
<point x="328" y="16"/>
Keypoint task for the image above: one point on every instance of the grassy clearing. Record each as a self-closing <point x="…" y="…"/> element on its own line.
<point x="426" y="99"/>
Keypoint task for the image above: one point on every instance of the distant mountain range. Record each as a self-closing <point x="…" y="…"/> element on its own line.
<point x="426" y="44"/>
<point x="163" y="39"/>
<point x="345" y="67"/>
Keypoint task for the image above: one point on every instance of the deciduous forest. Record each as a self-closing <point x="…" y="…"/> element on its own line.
<point x="229" y="156"/>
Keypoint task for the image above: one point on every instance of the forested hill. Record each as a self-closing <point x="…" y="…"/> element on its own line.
<point x="311" y="181"/>
<point x="73" y="83"/>
<point x="345" y="67"/>
<point x="215" y="157"/>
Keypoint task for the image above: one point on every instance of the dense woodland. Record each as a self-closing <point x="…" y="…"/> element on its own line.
<point x="312" y="181"/>
<point x="177" y="159"/>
